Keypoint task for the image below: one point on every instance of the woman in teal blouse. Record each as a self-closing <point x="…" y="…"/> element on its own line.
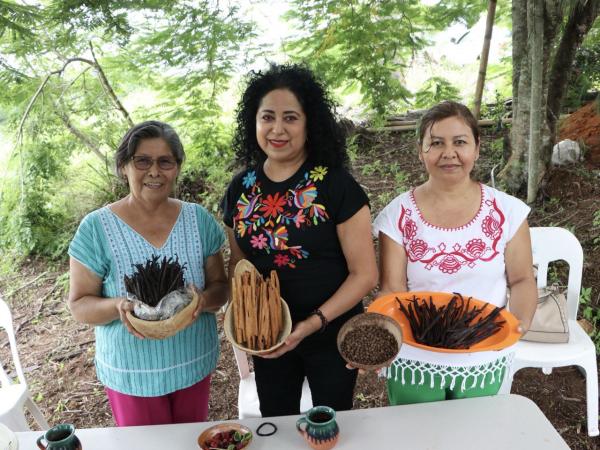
<point x="149" y="381"/>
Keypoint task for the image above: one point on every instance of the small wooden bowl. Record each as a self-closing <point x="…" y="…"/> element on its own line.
<point x="370" y="319"/>
<point x="243" y="266"/>
<point x="161" y="329"/>
<point x="211" y="432"/>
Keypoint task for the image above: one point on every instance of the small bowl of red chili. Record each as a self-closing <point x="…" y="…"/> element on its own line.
<point x="224" y="436"/>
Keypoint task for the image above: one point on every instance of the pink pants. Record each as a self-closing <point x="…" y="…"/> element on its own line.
<point x="183" y="406"/>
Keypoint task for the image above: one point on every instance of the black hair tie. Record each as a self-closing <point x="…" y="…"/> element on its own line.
<point x="270" y="433"/>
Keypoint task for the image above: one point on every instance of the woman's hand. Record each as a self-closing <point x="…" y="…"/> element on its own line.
<point x="519" y="272"/>
<point x="360" y="371"/>
<point x="214" y="295"/>
<point x="523" y="327"/>
<point x="124" y="305"/>
<point x="201" y="302"/>
<point x="299" y="332"/>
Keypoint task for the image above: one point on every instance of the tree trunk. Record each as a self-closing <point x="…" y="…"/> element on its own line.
<point x="578" y="25"/>
<point x="512" y="174"/>
<point x="108" y="88"/>
<point x="535" y="22"/>
<point x="560" y="43"/>
<point x="483" y="62"/>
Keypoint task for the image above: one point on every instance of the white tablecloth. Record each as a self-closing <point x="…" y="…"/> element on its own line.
<point x="503" y="422"/>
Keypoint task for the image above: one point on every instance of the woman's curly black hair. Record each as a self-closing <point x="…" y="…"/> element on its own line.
<point x="325" y="138"/>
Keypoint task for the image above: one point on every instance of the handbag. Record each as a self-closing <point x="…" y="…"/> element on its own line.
<point x="549" y="324"/>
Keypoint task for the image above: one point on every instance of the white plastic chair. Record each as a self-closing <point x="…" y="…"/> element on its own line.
<point x="552" y="244"/>
<point x="15" y="397"/>
<point x="248" y="404"/>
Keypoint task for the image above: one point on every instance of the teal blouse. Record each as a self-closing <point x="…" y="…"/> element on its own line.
<point x="109" y="248"/>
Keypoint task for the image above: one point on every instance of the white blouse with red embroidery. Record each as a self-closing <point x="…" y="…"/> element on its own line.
<point x="468" y="259"/>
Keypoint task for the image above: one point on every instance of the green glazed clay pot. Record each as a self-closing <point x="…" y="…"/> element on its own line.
<point x="60" y="437"/>
<point x="320" y="429"/>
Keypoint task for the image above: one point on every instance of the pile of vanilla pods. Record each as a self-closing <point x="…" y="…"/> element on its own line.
<point x="456" y="325"/>
<point x="155" y="279"/>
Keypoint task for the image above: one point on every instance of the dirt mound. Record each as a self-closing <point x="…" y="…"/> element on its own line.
<point x="584" y="126"/>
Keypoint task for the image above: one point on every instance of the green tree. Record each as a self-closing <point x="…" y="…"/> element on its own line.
<point x="367" y="45"/>
<point x="17" y="18"/>
<point x="564" y="25"/>
<point x="81" y="76"/>
<point x="435" y="90"/>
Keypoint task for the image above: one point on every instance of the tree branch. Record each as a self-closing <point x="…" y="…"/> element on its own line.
<point x="109" y="90"/>
<point x="39" y="91"/>
<point x="103" y="81"/>
<point x="80" y="135"/>
<point x="10" y="68"/>
<point x="483" y="63"/>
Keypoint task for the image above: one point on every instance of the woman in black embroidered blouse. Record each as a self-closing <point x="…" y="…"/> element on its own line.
<point x="296" y="209"/>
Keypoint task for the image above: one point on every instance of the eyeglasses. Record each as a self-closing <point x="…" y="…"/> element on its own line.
<point x="145" y="162"/>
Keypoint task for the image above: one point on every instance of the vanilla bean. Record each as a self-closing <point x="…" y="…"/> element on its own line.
<point x="456" y="325"/>
<point x="151" y="281"/>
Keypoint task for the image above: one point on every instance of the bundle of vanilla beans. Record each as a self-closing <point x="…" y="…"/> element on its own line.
<point x="152" y="281"/>
<point x="256" y="310"/>
<point x="456" y="325"/>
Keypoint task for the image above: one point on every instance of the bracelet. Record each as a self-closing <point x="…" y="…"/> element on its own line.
<point x="324" y="321"/>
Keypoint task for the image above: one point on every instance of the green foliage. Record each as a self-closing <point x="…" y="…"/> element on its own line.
<point x="35" y="217"/>
<point x="352" y="147"/>
<point x="372" y="168"/>
<point x="169" y="61"/>
<point x="368" y="44"/>
<point x="585" y="74"/>
<point x="435" y="90"/>
<point x="496" y="110"/>
<point x="596" y="226"/>
<point x="591" y="313"/>
<point x="17" y="18"/>
<point x="389" y="171"/>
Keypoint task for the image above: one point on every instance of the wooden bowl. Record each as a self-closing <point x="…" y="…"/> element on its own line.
<point x="283" y="334"/>
<point x="373" y="319"/>
<point x="507" y="336"/>
<point x="211" y="432"/>
<point x="286" y="328"/>
<point x="161" y="329"/>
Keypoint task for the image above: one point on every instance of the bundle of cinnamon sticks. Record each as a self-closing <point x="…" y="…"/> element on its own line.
<point x="256" y="310"/>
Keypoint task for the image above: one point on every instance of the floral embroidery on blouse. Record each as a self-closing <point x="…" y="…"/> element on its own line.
<point x="249" y="179"/>
<point x="266" y="218"/>
<point x="450" y="257"/>
<point x="318" y="173"/>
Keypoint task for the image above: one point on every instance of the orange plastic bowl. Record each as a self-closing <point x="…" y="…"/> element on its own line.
<point x="507" y="336"/>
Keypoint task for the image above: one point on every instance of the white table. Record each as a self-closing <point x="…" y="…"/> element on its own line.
<point x="504" y="422"/>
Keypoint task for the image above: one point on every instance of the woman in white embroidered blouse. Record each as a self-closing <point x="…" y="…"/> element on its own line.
<point x="453" y="234"/>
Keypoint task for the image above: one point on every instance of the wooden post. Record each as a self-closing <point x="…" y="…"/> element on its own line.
<point x="536" y="12"/>
<point x="483" y="62"/>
